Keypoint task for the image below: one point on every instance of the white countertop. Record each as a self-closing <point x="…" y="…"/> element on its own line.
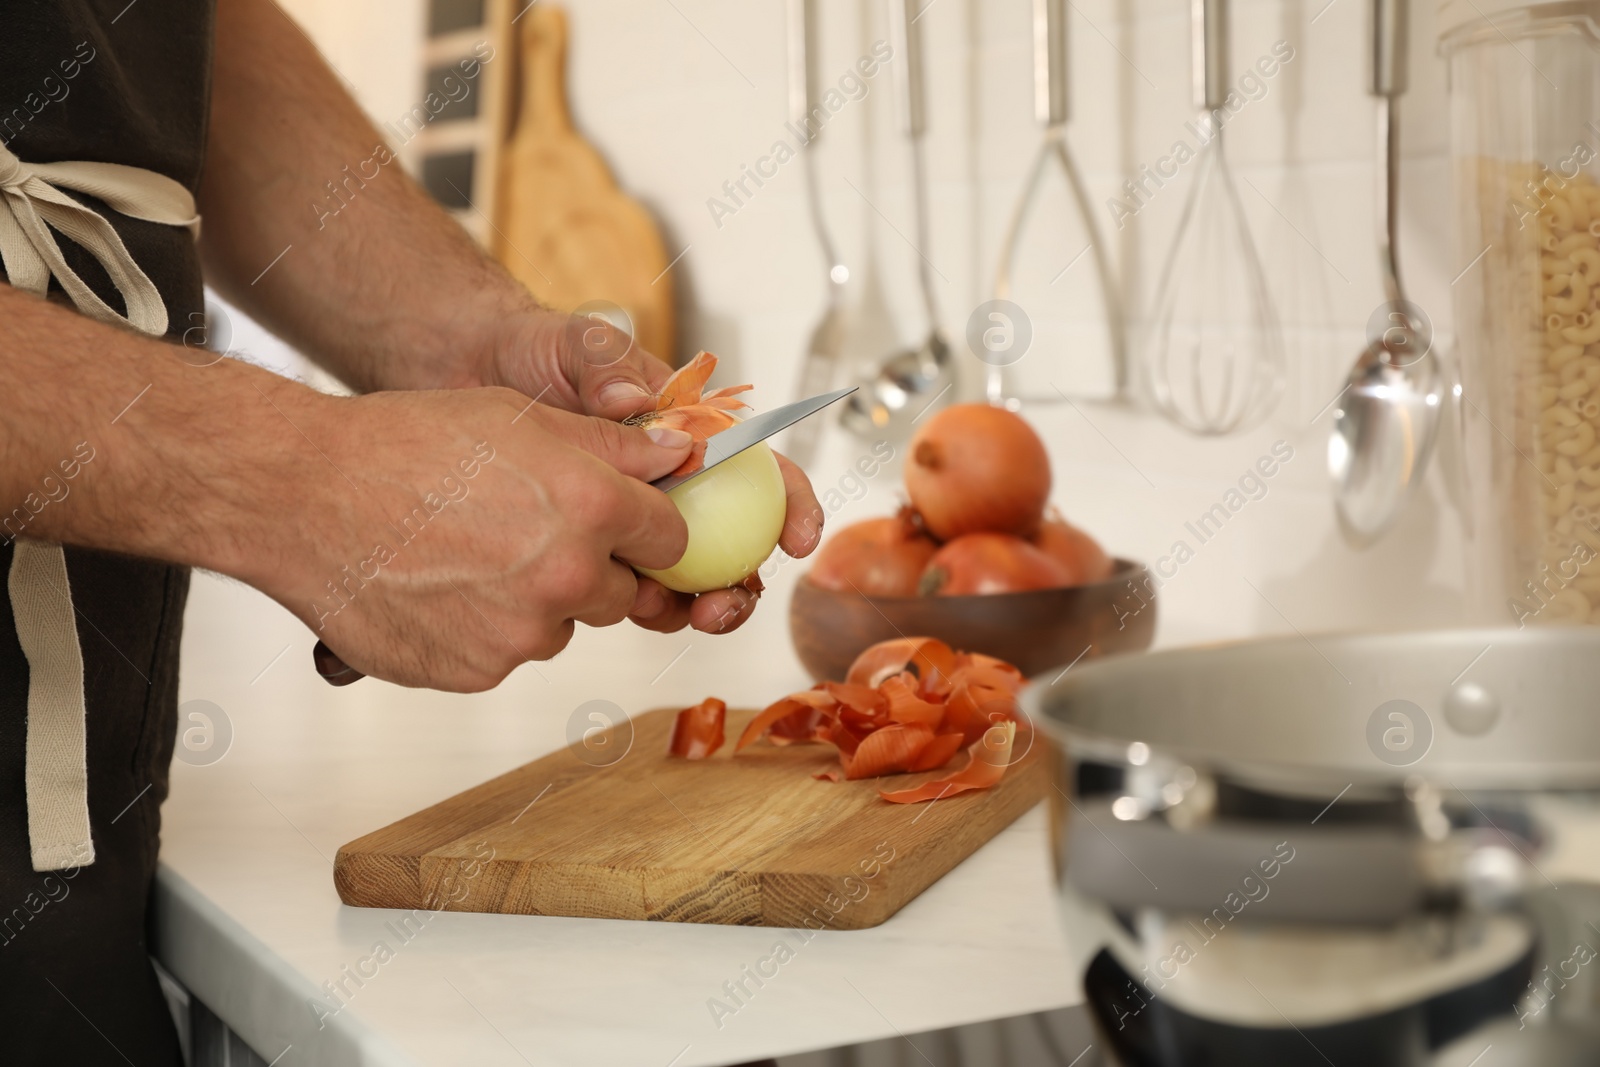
<point x="252" y="924"/>
<point x="250" y="921"/>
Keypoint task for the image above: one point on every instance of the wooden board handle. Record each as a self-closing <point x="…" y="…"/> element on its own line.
<point x="544" y="70"/>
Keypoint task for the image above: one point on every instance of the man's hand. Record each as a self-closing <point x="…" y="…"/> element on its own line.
<point x="468" y="531"/>
<point x="585" y="365"/>
<point x="434" y="537"/>
<point x="378" y="285"/>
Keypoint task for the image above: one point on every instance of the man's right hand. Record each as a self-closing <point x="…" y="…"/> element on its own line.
<point x="430" y="538"/>
<point x="460" y="533"/>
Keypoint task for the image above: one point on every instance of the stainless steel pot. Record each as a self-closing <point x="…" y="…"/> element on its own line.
<point x="1334" y="849"/>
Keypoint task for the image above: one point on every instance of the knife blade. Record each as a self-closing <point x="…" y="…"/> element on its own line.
<point x="735" y="439"/>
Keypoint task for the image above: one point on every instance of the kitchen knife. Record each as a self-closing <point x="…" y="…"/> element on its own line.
<point x="754" y="430"/>
<point x="719" y="447"/>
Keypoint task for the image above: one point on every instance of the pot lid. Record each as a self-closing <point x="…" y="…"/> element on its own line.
<point x="1468" y="709"/>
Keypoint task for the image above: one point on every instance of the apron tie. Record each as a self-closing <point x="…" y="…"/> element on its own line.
<point x="31" y="205"/>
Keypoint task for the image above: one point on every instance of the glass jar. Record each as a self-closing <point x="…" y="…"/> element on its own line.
<point x="1525" y="147"/>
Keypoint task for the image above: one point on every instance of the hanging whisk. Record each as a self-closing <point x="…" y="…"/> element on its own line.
<point x="1214" y="362"/>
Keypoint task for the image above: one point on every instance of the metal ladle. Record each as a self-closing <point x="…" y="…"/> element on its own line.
<point x="822" y="350"/>
<point x="1388" y="415"/>
<point x="910" y="382"/>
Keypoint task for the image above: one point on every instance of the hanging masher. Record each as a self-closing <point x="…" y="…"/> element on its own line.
<point x="1052" y="105"/>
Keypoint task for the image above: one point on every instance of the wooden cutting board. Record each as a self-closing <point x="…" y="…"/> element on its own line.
<point x="562" y="226"/>
<point x="751" y="840"/>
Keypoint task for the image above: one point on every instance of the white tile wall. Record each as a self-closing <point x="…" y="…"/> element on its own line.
<point x="679" y="93"/>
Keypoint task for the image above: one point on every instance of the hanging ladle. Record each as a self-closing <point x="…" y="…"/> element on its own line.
<point x="1051" y="98"/>
<point x="910" y="382"/>
<point x="822" y="349"/>
<point x="1388" y="415"/>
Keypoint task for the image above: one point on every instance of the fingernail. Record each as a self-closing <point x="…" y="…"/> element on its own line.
<point x="667" y="437"/>
<point x="649" y="605"/>
<point x="737" y="612"/>
<point x="621" y="393"/>
<point x="808" y="532"/>
<point x="814" y="524"/>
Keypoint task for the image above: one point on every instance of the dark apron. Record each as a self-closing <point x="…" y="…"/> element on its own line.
<point x="112" y="82"/>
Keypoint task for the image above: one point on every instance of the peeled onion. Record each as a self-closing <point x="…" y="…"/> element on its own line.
<point x="984" y="563"/>
<point x="734" y="511"/>
<point x="973" y="468"/>
<point x="735" y="514"/>
<point x="877" y="557"/>
<point x="1074" y="548"/>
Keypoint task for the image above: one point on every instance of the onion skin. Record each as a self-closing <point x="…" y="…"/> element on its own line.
<point x="697" y="731"/>
<point x="975" y="468"/>
<point x="735" y="513"/>
<point x="985" y="563"/>
<point x="1074" y="548"/>
<point x="925" y="703"/>
<point x="877" y="557"/>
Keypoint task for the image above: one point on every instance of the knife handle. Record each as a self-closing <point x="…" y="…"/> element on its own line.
<point x="334" y="670"/>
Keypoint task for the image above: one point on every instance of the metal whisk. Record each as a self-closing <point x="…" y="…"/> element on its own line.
<point x="1214" y="362"/>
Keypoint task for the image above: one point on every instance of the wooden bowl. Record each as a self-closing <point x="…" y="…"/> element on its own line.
<point x="1037" y="631"/>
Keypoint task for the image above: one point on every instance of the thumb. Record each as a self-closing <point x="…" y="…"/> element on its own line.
<point x="613" y="376"/>
<point x="645" y="453"/>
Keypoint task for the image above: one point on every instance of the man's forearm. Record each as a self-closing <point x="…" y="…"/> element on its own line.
<point x="113" y="440"/>
<point x="382" y="292"/>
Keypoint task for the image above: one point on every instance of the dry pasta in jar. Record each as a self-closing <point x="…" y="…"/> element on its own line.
<point x="1531" y="376"/>
<point x="1524" y="83"/>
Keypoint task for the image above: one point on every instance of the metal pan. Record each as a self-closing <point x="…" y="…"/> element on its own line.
<point x="1367" y="815"/>
<point x="1387" y="762"/>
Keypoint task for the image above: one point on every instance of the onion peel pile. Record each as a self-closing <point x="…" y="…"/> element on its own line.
<point x="906" y="706"/>
<point x="697" y="731"/>
<point x="989" y="758"/>
<point x="684" y="405"/>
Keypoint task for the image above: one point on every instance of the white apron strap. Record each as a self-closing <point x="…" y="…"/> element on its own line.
<point x="57" y="768"/>
<point x="31" y="203"/>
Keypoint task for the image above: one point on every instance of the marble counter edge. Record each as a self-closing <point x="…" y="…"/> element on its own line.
<point x="252" y="989"/>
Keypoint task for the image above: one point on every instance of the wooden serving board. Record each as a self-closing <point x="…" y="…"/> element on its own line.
<point x="562" y="226"/>
<point x="751" y="840"/>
